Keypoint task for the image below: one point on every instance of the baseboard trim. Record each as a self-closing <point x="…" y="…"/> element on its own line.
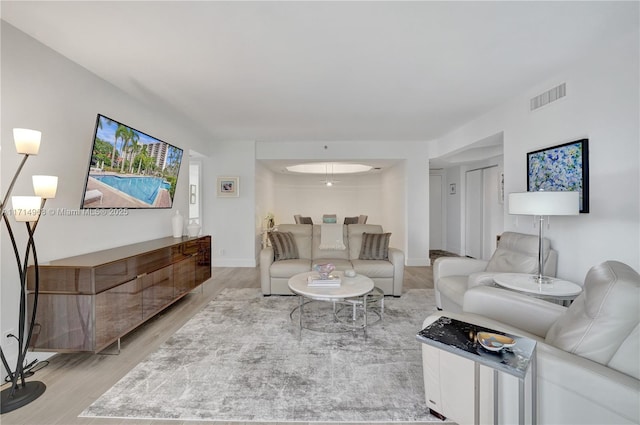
<point x="233" y="262"/>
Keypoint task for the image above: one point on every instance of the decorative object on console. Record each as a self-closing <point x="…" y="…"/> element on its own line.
<point x="495" y="342"/>
<point x="561" y="168"/>
<point x="193" y="229"/>
<point x="228" y="187"/>
<point x="26" y="209"/>
<point x="543" y="204"/>
<point x="120" y="178"/>
<point x="177" y="222"/>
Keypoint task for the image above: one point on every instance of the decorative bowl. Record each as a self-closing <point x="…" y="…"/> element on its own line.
<point x="324" y="270"/>
<point x="495" y="342"/>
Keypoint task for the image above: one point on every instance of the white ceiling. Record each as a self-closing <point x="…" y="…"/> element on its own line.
<point x="324" y="71"/>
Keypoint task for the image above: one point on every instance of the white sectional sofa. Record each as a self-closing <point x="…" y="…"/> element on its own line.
<point x="587" y="370"/>
<point x="386" y="274"/>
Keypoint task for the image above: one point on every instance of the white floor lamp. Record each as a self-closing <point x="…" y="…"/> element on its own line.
<point x="543" y="204"/>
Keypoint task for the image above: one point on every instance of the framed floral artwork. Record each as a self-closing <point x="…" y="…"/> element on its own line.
<point x="228" y="187"/>
<point x="561" y="168"/>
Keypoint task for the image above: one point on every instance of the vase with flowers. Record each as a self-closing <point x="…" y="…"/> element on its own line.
<point x="270" y="220"/>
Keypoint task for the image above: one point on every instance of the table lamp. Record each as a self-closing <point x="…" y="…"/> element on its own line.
<point x="543" y="204"/>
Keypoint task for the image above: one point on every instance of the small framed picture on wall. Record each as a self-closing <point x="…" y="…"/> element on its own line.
<point x="228" y="187"/>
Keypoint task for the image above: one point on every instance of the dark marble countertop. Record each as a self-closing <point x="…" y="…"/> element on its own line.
<point x="459" y="338"/>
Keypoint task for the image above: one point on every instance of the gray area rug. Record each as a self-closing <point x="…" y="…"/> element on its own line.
<point x="243" y="359"/>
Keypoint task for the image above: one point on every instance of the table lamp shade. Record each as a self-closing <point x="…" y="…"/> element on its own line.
<point x="544" y="203"/>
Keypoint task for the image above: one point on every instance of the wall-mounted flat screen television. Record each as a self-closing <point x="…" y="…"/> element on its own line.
<point x="129" y="168"/>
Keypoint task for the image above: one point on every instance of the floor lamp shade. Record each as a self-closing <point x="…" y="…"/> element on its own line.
<point x="544" y="203"/>
<point x="27" y="141"/>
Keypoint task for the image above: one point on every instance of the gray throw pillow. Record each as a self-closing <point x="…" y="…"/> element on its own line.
<point x="284" y="245"/>
<point x="375" y="246"/>
<point x="351" y="220"/>
<point x="306" y="220"/>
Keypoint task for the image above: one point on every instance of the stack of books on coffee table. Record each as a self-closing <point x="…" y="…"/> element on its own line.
<point x="330" y="282"/>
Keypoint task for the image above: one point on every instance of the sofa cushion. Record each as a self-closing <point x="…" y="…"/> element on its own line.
<point x="288" y="268"/>
<point x="302" y="235"/>
<point x="354" y="234"/>
<point x="373" y="268"/>
<point x="284" y="245"/>
<point x="517" y="253"/>
<point x="375" y="246"/>
<point x="602" y="323"/>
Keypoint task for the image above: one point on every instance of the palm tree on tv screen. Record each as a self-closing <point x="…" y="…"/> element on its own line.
<point x="129" y="135"/>
<point x="119" y="134"/>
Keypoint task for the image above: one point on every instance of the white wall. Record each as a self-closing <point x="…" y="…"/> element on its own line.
<point x="231" y="221"/>
<point x="44" y="91"/>
<point x="406" y="187"/>
<point x="306" y="195"/>
<point x="602" y="104"/>
<point x="455" y="214"/>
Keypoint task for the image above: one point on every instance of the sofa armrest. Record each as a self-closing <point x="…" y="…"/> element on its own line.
<point x="457" y="266"/>
<point x="396" y="257"/>
<point x="518" y="310"/>
<point x="481" y="279"/>
<point x="604" y="395"/>
<point x="266" y="259"/>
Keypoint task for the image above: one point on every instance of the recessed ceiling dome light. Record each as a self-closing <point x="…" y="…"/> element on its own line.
<point x="334" y="167"/>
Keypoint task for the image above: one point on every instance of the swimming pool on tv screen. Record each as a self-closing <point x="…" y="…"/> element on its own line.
<point x="142" y="188"/>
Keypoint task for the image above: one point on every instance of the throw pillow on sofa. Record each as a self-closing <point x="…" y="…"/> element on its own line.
<point x="351" y="220"/>
<point x="284" y="245"/>
<point x="375" y="246"/>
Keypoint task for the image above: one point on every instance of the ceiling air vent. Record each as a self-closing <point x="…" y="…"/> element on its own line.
<point x="549" y="96"/>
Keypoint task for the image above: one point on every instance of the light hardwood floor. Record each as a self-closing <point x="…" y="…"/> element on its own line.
<point x="74" y="381"/>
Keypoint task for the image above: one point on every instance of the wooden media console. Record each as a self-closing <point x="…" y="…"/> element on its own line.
<point x="88" y="302"/>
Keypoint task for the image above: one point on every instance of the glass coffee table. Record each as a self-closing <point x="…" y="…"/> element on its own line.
<point x="351" y="290"/>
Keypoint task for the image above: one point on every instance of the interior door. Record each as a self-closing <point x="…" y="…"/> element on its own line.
<point x="473" y="214"/>
<point x="483" y="212"/>
<point x="436" y="222"/>
<point x="493" y="220"/>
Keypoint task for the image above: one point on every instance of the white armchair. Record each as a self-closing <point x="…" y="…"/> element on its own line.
<point x="587" y="370"/>
<point x="516" y="253"/>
